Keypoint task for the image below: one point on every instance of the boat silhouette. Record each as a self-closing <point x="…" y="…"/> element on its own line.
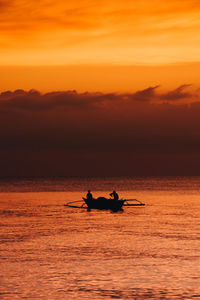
<point x="102" y="203"/>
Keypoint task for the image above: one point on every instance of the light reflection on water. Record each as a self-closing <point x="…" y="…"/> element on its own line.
<point x="49" y="251"/>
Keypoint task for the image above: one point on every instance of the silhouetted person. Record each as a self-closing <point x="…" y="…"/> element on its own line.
<point x="115" y="195"/>
<point x="89" y="195"/>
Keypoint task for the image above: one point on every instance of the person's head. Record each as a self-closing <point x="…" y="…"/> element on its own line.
<point x="88" y="191"/>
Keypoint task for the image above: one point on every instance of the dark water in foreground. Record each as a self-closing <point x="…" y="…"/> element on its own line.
<point x="49" y="251"/>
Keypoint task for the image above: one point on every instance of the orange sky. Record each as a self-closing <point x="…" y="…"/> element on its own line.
<point x="142" y="56"/>
<point x="99" y="78"/>
<point x="106" y="33"/>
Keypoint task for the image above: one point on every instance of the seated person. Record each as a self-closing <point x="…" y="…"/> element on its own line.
<point x="89" y="195"/>
<point x="115" y="195"/>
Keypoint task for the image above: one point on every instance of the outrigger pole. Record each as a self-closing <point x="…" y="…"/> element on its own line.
<point x="75" y="206"/>
<point x="140" y="203"/>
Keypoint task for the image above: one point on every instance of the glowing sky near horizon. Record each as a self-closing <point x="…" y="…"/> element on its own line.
<point x="96" y="32"/>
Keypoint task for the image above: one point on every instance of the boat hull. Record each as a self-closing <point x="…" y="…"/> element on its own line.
<point x="104" y="204"/>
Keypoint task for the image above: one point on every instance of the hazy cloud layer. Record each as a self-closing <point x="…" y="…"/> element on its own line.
<point x="34" y="100"/>
<point x="145" y="95"/>
<point x="178" y="93"/>
<point x="67" y="133"/>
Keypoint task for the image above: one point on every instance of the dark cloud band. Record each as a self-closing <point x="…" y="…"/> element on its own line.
<point x="67" y="133"/>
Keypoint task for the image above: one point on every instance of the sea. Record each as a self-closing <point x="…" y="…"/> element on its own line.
<point x="50" y="251"/>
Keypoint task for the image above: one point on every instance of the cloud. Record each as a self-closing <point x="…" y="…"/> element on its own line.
<point x="145" y="95"/>
<point x="70" y="133"/>
<point x="93" y="111"/>
<point x="177" y="94"/>
<point x="33" y="100"/>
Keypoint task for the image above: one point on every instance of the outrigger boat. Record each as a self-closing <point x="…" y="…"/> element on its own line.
<point x="103" y="203"/>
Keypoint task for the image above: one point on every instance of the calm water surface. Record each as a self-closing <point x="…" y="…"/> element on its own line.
<point x="49" y="251"/>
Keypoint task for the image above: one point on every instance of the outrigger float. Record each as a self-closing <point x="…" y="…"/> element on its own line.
<point x="103" y="203"/>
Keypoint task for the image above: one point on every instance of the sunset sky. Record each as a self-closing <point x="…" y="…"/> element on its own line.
<point x="118" y="32"/>
<point x="125" y="38"/>
<point x="135" y="68"/>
